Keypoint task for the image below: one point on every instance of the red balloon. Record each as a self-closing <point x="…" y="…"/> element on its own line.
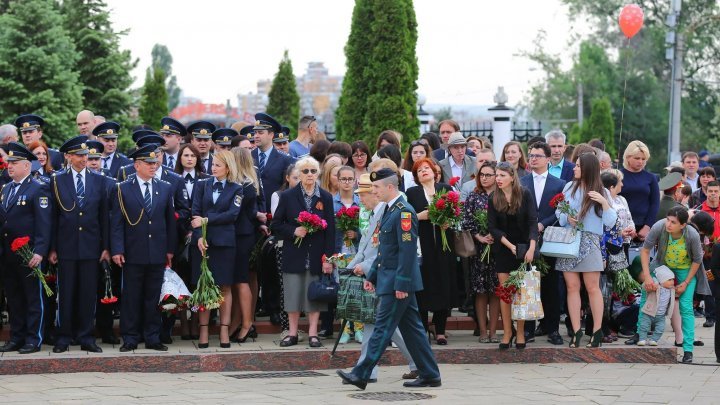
<point x="631" y="20"/>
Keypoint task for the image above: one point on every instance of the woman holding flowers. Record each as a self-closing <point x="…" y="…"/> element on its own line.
<point x="438" y="267"/>
<point x="512" y="219"/>
<point x="585" y="203"/>
<point x="483" y="278"/>
<point x="304" y="246"/>
<point x="216" y="204"/>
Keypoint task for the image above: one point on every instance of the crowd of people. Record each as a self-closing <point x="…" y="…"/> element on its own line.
<point x="96" y="215"/>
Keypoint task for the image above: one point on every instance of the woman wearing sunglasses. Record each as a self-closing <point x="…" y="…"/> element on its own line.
<point x="302" y="264"/>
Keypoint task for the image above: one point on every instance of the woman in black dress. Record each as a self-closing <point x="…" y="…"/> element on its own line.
<point x="438" y="268"/>
<point x="512" y="218"/>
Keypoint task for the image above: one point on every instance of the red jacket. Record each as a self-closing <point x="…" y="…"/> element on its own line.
<point x="715" y="213"/>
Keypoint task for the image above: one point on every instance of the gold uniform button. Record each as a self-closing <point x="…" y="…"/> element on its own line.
<point x="81" y="214"/>
<point x="80" y="228"/>
<point x="149" y="222"/>
<point x="150" y="236"/>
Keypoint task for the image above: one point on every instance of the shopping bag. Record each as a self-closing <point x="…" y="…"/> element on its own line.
<point x="526" y="305"/>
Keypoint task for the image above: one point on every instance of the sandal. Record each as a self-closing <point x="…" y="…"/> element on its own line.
<point x="485" y="339"/>
<point x="289" y="340"/>
<point x="494" y="339"/>
<point x="314" y="341"/>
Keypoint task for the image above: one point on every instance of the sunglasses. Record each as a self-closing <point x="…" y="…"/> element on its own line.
<point x="307" y="171"/>
<point x="418" y="143"/>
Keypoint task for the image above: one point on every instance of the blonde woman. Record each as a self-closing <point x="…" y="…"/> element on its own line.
<point x="640" y="188"/>
<point x="328" y="173"/>
<point x="217" y="202"/>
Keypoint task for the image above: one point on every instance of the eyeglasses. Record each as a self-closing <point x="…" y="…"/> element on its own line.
<point x="531" y="156"/>
<point x="346" y="179"/>
<point x="359" y="155"/>
<point x="307" y="171"/>
<point x="418" y="143"/>
<point x="486" y="175"/>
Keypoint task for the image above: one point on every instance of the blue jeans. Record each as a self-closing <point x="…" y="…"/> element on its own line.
<point x="647" y="322"/>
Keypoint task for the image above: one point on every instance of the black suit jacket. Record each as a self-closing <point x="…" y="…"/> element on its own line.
<point x="273" y="175"/>
<point x="221" y="214"/>
<point x="567" y="171"/>
<point x="553" y="186"/>
<point x="28" y="213"/>
<point x="56" y="159"/>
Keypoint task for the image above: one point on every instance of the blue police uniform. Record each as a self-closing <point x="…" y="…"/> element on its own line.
<point x="396" y="269"/>
<point x="26" y="209"/>
<point x="142" y="229"/>
<point x="274" y="163"/>
<point x="246" y="233"/>
<point x="203" y="130"/>
<point x="30" y="122"/>
<point x="110" y="130"/>
<point x="171" y="127"/>
<point x="221" y="214"/>
<point x="80" y="235"/>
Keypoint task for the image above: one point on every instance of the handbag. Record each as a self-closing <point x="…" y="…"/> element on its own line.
<point x="561" y="242"/>
<point x="464" y="244"/>
<point x="616" y="259"/>
<point x="323" y="290"/>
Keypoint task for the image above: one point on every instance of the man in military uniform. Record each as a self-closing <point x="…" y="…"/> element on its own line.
<point x="395" y="276"/>
<point x="173" y="132"/>
<point x="222" y="137"/>
<point x="80" y="241"/>
<point x="25" y="209"/>
<point x="30" y="126"/>
<point x="249" y="132"/>
<point x="201" y="132"/>
<point x="95" y="151"/>
<point x="143" y="240"/>
<point x="668" y="185"/>
<point x="280" y="141"/>
<point x="112" y="160"/>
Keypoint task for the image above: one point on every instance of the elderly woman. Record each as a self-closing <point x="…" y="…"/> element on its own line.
<point x="302" y="264"/>
<point x="640" y="188"/>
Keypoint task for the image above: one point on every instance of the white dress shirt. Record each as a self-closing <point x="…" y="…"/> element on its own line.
<point x="141" y="184"/>
<point x="189" y="184"/>
<point x="82" y="174"/>
<point x="457" y="171"/>
<point x="539" y="184"/>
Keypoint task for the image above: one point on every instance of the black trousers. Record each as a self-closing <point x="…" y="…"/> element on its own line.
<point x="26" y="303"/>
<point x="139" y="311"/>
<point x="550" y="298"/>
<point x="104" y="320"/>
<point x="77" y="298"/>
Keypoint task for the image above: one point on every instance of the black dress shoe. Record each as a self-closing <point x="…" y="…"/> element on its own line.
<point x="10" y="347"/>
<point x="91" y="347"/>
<point x="351" y="378"/>
<point x="633" y="340"/>
<point x="709" y="324"/>
<point x="60" y="348"/>
<point x="126" y="347"/>
<point x="687" y="358"/>
<point x="423" y="382"/>
<point x="156" y="346"/>
<point x="540" y="331"/>
<point x="28" y="348"/>
<point x="111" y="339"/>
<point x="275" y="318"/>
<point x="370" y="381"/>
<point x="529" y="337"/>
<point x="166" y="340"/>
<point x="555" y="338"/>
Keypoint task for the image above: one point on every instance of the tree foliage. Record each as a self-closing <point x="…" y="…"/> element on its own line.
<point x="37" y="62"/>
<point x="162" y="58"/>
<point x="600" y="125"/>
<point x="103" y="68"/>
<point x="283" y="99"/>
<point x="153" y="101"/>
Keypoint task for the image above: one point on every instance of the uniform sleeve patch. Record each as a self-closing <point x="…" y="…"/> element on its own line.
<point x="406" y="237"/>
<point x="237" y="201"/>
<point x="44" y="202"/>
<point x="404" y="215"/>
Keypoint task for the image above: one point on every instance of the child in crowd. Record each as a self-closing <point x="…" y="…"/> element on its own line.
<point x="658" y="304"/>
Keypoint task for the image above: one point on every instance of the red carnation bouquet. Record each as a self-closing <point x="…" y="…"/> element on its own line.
<point x="559" y="203"/>
<point x="454" y="181"/>
<point x="311" y="222"/>
<point x="348" y="219"/>
<point x="109" y="298"/>
<point x="207" y="294"/>
<point x="444" y="211"/>
<point x="512" y="285"/>
<point x="21" y="246"/>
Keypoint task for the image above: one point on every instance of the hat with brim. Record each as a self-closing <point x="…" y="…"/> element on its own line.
<point x="381" y="174"/>
<point x="107" y="130"/>
<point x="364" y="184"/>
<point x="201" y="129"/>
<point x="265" y="121"/>
<point x="457" y="139"/>
<point x="146" y="154"/>
<point x="29" y="122"/>
<point x="95" y="149"/>
<point x="75" y="146"/>
<point x="670" y="181"/>
<point x="17" y="151"/>
<point x="171" y="126"/>
<point x="223" y="136"/>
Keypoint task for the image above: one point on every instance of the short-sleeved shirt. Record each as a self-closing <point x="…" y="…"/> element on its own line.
<point x="676" y="256"/>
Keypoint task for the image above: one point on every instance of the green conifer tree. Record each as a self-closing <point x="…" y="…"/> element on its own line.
<point x="153" y="101"/>
<point x="283" y="99"/>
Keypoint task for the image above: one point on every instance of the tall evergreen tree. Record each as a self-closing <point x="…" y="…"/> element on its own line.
<point x="104" y="69"/>
<point x="350" y="114"/>
<point x="37" y="62"/>
<point x="283" y="99"/>
<point x="162" y="58"/>
<point x="153" y="101"/>
<point x="600" y="125"/>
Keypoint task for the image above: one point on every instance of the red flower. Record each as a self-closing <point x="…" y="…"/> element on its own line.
<point x="440" y="204"/>
<point x="50" y="278"/>
<point x="3" y="164"/>
<point x="557" y="200"/>
<point x="109" y="300"/>
<point x="177" y="216"/>
<point x="454" y="181"/>
<point x="269" y="216"/>
<point x="324" y="258"/>
<point x="19" y="243"/>
<point x="453" y="196"/>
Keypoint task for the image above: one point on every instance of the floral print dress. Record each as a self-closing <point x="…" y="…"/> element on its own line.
<point x="483" y="278"/>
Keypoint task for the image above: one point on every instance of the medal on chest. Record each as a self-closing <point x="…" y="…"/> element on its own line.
<point x="376" y="236"/>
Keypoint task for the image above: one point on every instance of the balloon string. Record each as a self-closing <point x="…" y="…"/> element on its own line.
<point x="622" y="110"/>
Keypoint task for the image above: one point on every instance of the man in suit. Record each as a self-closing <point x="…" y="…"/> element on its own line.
<point x="363" y="260"/>
<point x="201" y="132"/>
<point x="31" y="130"/>
<point x="446" y="129"/>
<point x="80" y="241"/>
<point x="395" y="276"/>
<point x="558" y="166"/>
<point x="107" y="132"/>
<point x="270" y="163"/>
<point x="544" y="187"/>
<point x="25" y="211"/>
<point x="173" y="132"/>
<point x="458" y="164"/>
<point x="143" y="240"/>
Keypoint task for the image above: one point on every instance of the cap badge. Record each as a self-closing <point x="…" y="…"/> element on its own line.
<point x="110" y="132"/>
<point x="203" y="132"/>
<point x="152" y="154"/>
<point x="26" y="124"/>
<point x="166" y="126"/>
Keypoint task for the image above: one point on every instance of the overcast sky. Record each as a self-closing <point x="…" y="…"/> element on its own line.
<point x="465" y="48"/>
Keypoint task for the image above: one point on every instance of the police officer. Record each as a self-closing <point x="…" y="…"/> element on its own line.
<point x="30" y="126"/>
<point x="222" y="137"/>
<point x="249" y="132"/>
<point x="25" y="208"/>
<point x="80" y="241"/>
<point x="95" y="150"/>
<point x="107" y="132"/>
<point x="201" y="132"/>
<point x="280" y="141"/>
<point x="143" y="239"/>
<point x="271" y="164"/>
<point x="173" y="132"/>
<point x="141" y="138"/>
<point x="395" y="276"/>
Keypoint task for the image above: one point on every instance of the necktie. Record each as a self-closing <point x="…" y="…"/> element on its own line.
<point x="171" y="161"/>
<point x="13" y="189"/>
<point x="105" y="162"/>
<point x="80" y="190"/>
<point x="189" y="178"/>
<point x="146" y="197"/>
<point x="218" y="187"/>
<point x="387" y="208"/>
<point x="262" y="161"/>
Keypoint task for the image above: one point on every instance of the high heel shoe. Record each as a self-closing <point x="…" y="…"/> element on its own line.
<point x="236" y="332"/>
<point x="520" y="345"/>
<point x="206" y="344"/>
<point x="596" y="339"/>
<point x="225" y="345"/>
<point x="575" y="339"/>
<point x="505" y="346"/>
<point x="251" y="333"/>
